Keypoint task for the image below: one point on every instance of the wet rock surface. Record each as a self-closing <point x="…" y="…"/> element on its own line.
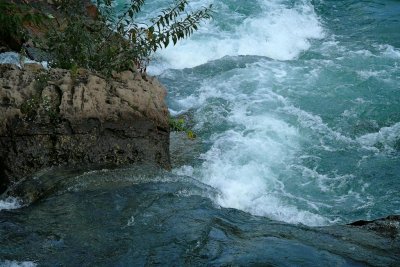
<point x="139" y="216"/>
<point x="389" y="226"/>
<point x="59" y="117"/>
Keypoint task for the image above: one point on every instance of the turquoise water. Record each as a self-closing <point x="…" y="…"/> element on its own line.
<point x="297" y="104"/>
<point x="296" y="109"/>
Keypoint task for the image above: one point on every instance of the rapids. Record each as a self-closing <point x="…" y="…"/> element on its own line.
<point x="296" y="107"/>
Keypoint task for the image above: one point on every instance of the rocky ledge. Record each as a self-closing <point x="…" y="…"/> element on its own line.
<point x="58" y="117"/>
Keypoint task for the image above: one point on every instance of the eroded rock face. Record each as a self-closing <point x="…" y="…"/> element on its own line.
<point x="59" y="117"/>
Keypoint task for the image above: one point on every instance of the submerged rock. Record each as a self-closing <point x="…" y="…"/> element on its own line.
<point x="141" y="216"/>
<point x="58" y="117"/>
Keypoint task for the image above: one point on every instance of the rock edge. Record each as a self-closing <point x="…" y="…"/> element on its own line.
<point x="58" y="117"/>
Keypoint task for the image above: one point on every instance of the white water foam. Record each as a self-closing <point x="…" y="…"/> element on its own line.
<point x="279" y="32"/>
<point x="251" y="147"/>
<point x="15" y="58"/>
<point x="316" y="123"/>
<point x="10" y="203"/>
<point x="8" y="263"/>
<point x="389" y="51"/>
<point x="247" y="162"/>
<point x="244" y="164"/>
<point x="366" y="74"/>
<point x="243" y="167"/>
<point x="386" y="136"/>
<point x="325" y="182"/>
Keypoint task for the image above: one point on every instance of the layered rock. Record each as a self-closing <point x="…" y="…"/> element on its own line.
<point x="60" y="117"/>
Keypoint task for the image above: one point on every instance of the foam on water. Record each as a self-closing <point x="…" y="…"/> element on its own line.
<point x="316" y="123"/>
<point x="10" y="58"/>
<point x="278" y="32"/>
<point x="258" y="133"/>
<point x="388" y="137"/>
<point x="292" y="129"/>
<point x="10" y="203"/>
<point x="389" y="51"/>
<point x="245" y="165"/>
<point x="366" y="74"/>
<point x="8" y="263"/>
<point x="245" y="161"/>
<point x="15" y="58"/>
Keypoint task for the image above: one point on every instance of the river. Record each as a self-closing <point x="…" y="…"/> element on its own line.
<point x="296" y="108"/>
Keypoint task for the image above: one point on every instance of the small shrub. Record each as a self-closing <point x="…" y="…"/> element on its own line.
<point x="30" y="108"/>
<point x="37" y="105"/>
<point x="179" y="125"/>
<point x="118" y="42"/>
<point x="12" y="19"/>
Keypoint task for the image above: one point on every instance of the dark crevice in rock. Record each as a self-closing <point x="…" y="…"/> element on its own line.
<point x="4" y="182"/>
<point x="360" y="223"/>
<point x="389" y="226"/>
<point x="162" y="129"/>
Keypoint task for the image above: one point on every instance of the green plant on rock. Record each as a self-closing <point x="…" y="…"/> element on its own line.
<point x="13" y="17"/>
<point x="39" y="105"/>
<point x="112" y="41"/>
<point x="30" y="108"/>
<point x="49" y="110"/>
<point x="179" y="125"/>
